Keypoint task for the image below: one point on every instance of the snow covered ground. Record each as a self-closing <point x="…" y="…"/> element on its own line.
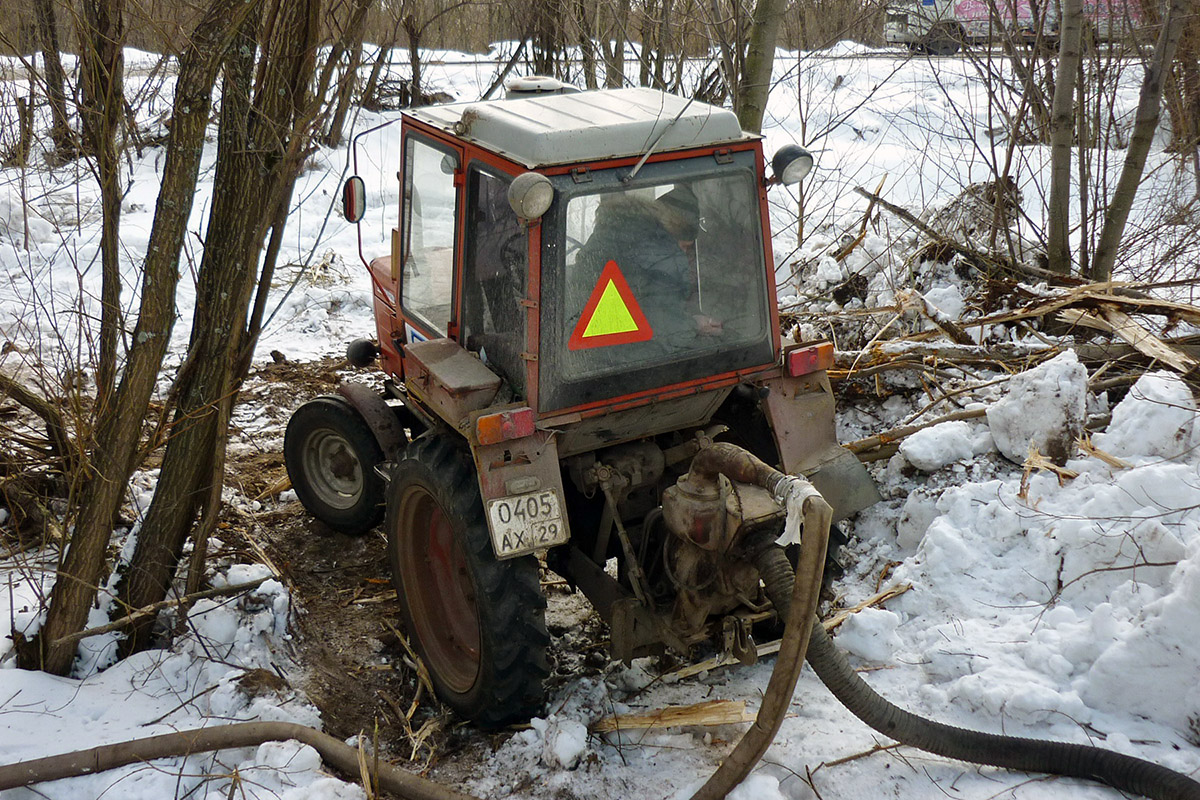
<point x="1039" y="607"/>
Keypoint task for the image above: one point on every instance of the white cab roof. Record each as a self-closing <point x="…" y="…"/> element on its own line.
<point x="550" y="129"/>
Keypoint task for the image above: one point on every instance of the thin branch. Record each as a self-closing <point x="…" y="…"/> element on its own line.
<point x="154" y="608"/>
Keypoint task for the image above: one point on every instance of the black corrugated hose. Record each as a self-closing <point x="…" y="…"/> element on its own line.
<point x="1119" y="771"/>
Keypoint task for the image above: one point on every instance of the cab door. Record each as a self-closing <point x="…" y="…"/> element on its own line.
<point x="429" y="230"/>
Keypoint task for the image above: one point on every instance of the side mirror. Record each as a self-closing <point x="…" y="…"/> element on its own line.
<point x="791" y="163"/>
<point x="530" y="195"/>
<point x="354" y="199"/>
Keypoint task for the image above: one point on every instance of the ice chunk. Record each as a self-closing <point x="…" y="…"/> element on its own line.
<point x="565" y="743"/>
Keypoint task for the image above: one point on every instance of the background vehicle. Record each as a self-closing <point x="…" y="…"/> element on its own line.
<point x="558" y="350"/>
<point x="941" y="27"/>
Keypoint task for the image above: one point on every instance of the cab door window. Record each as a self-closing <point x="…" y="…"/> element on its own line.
<point x="496" y="263"/>
<point x="430" y="205"/>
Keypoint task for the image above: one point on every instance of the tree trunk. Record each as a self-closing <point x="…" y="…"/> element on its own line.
<point x="118" y="429"/>
<point x="1145" y="123"/>
<point x="414" y="58"/>
<point x="1181" y="83"/>
<point x="614" y="61"/>
<point x="55" y="80"/>
<point x="345" y="93"/>
<point x="755" y="82"/>
<point x="371" y="89"/>
<point x="102" y="66"/>
<point x="587" y="45"/>
<point x="351" y="38"/>
<point x="1062" y="133"/>
<point x="277" y="126"/>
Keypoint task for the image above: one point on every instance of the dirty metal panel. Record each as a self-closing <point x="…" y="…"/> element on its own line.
<point x="449" y="379"/>
<point x="521" y="486"/>
<point x="751" y="504"/>
<point x="634" y="629"/>
<point x="691" y="411"/>
<point x="801" y="414"/>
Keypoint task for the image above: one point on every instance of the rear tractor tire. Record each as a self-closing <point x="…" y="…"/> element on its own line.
<point x="331" y="457"/>
<point x="478" y="624"/>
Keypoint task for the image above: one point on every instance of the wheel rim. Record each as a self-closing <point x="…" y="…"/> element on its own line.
<point x="334" y="472"/>
<point x="438" y="589"/>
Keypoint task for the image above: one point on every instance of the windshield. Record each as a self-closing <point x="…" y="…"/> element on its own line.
<point x="654" y="283"/>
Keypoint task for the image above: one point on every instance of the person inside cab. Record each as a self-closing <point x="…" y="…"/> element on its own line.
<point x="653" y="242"/>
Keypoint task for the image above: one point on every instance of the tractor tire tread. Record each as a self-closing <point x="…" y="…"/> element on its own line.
<point x="509" y="598"/>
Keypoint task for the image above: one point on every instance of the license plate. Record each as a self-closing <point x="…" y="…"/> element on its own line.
<point x="524" y="523"/>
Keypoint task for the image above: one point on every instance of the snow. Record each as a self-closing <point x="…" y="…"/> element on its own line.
<point x="1044" y="408"/>
<point x="933" y="448"/>
<point x="1156" y="420"/>
<point x="1039" y="607"/>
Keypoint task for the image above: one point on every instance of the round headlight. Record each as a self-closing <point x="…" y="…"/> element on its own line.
<point x="791" y="163"/>
<point x="530" y="195"/>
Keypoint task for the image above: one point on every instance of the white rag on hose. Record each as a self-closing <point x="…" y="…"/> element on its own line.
<point x="791" y="493"/>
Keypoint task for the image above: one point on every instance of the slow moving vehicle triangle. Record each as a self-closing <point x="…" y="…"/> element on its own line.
<point x="612" y="314"/>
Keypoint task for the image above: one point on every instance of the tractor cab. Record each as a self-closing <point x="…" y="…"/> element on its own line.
<point x="640" y="275"/>
<point x="579" y="300"/>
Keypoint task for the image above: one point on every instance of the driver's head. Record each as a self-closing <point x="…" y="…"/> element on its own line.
<point x="679" y="213"/>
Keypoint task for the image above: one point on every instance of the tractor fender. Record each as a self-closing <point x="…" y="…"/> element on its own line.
<point x="377" y="414"/>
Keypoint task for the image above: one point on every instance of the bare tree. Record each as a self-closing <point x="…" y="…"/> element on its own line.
<point x="351" y="38"/>
<point x="268" y="119"/>
<point x="755" y="83"/>
<point x="119" y="425"/>
<point x="1062" y="132"/>
<point x="614" y="34"/>
<point x="1145" y="123"/>
<point x="54" y="79"/>
<point x="102" y="66"/>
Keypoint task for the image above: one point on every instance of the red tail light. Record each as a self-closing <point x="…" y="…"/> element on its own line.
<point x="813" y="358"/>
<point x="505" y="425"/>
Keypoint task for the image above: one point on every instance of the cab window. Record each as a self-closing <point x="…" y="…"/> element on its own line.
<point x="428" y="223"/>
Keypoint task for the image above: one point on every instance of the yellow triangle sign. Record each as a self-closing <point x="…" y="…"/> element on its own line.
<point x="612" y="314"/>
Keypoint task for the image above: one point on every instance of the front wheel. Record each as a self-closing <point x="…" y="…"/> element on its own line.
<point x="478" y="623"/>
<point x="331" y="457"/>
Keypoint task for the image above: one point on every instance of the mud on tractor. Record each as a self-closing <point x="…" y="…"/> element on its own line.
<point x="580" y="297"/>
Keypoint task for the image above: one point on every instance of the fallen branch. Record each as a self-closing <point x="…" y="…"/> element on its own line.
<point x="714" y="712"/>
<point x="56" y="429"/>
<point x="841" y="254"/>
<point x="896" y="434"/>
<point x="874" y="600"/>
<point x="221" y="737"/>
<point x="1144" y="341"/>
<point x="1089" y="449"/>
<point x="152" y="609"/>
<point x="963" y="250"/>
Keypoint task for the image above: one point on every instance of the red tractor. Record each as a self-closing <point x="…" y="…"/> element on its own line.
<point x="580" y="299"/>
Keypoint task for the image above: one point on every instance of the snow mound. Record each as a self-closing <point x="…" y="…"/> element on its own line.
<point x="1045" y="406"/>
<point x="1156" y="420"/>
<point x="870" y="634"/>
<point x="933" y="448"/>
